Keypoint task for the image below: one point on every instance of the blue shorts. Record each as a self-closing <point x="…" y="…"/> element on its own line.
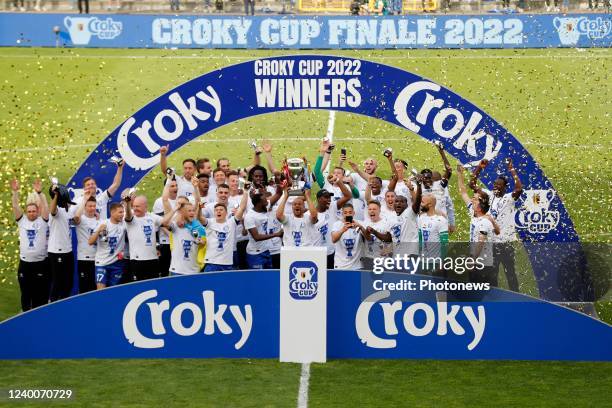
<point x="259" y="261"/>
<point x="217" y="267"/>
<point x="110" y="275"/>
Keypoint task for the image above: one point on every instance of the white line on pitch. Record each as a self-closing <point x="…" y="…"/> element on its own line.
<point x="302" y="401"/>
<point x="299" y="139"/>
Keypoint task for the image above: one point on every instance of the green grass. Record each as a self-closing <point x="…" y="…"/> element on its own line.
<point x="158" y="383"/>
<point x="556" y="102"/>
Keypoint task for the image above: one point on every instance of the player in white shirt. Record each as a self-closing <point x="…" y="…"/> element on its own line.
<point x="33" y="271"/>
<point x="298" y="229"/>
<point x="433" y="235"/>
<point x="61" y="258"/>
<point x="403" y="227"/>
<point x="387" y="207"/>
<point x="163" y="233"/>
<point x="221" y="236"/>
<point x="236" y="187"/>
<point x="86" y="219"/>
<point x="187" y="235"/>
<point x="437" y="188"/>
<point x="377" y="236"/>
<point x="222" y="197"/>
<point x="362" y="177"/>
<point x="184" y="184"/>
<point x="142" y="238"/>
<point x="110" y="237"/>
<point x="256" y="223"/>
<point x="482" y="229"/>
<point x="219" y="177"/>
<point x="348" y="239"/>
<point x="503" y="210"/>
<point x="90" y="186"/>
<point x="326" y="216"/>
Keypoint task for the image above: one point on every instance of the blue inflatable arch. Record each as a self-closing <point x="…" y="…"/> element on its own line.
<point x="362" y="87"/>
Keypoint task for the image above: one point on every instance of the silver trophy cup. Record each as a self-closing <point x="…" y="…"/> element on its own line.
<point x="296" y="171"/>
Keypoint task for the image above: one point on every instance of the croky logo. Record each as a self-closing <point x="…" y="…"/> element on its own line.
<point x="535" y="215"/>
<point x="303" y="280"/>
<point x="81" y="29"/>
<point x="571" y="28"/>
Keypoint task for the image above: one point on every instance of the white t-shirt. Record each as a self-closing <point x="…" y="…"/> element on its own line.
<point x="102" y="200"/>
<point x="32" y="239"/>
<point x="85" y="229"/>
<point x="60" y="238"/>
<point x="184" y="187"/>
<point x="503" y="211"/>
<point x="260" y="221"/>
<point x="348" y="248"/>
<point x="158" y="208"/>
<point x="141" y="236"/>
<point x="274" y="225"/>
<point x="220" y="241"/>
<point x="482" y="226"/>
<point x="401" y="189"/>
<point x="430" y="228"/>
<point x="360" y="208"/>
<point x="374" y="247"/>
<point x="297" y="231"/>
<point x="234" y="203"/>
<point x="405" y="232"/>
<point x="386" y="213"/>
<point x="112" y="245"/>
<point x="321" y="236"/>
<point x="184" y="254"/>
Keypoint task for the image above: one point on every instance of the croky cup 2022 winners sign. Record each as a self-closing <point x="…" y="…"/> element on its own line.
<point x="236" y="314"/>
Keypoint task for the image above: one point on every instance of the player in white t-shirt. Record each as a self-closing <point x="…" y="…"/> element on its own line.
<point x="433" y="235"/>
<point x="326" y="216"/>
<point x="297" y="228"/>
<point x="33" y="271"/>
<point x="142" y="238"/>
<point x="86" y="219"/>
<point x="502" y="209"/>
<point x="256" y="223"/>
<point x="482" y="229"/>
<point x="90" y="186"/>
<point x="184" y="183"/>
<point x="221" y="236"/>
<point x="110" y="237"/>
<point x="404" y="227"/>
<point x="163" y="233"/>
<point x="187" y="234"/>
<point x="61" y="257"/>
<point x="377" y="236"/>
<point x="348" y="239"/>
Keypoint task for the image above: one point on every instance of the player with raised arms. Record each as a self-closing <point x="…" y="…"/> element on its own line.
<point x="221" y="236"/>
<point x="33" y="270"/>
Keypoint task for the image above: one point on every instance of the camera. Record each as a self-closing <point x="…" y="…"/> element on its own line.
<point x="349" y="219"/>
<point x="170" y="173"/>
<point x="387" y="152"/>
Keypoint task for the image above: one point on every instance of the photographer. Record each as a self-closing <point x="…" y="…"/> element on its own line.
<point x="347" y="236"/>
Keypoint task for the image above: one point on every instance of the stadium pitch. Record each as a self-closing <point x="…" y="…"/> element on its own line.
<point x="57" y="104"/>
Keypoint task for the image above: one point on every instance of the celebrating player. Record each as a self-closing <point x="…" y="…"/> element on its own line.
<point x="376" y="234"/>
<point x="141" y="227"/>
<point x="298" y="229"/>
<point x="256" y="223"/>
<point x="503" y="209"/>
<point x="348" y="240"/>
<point x="33" y="270"/>
<point x="87" y="221"/>
<point x="433" y="230"/>
<point x="221" y="236"/>
<point x="110" y="237"/>
<point x="90" y="186"/>
<point x="185" y="186"/>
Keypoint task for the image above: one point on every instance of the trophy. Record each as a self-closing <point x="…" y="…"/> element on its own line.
<point x="295" y="171"/>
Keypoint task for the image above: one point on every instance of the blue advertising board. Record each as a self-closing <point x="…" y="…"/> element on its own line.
<point x="236" y="314"/>
<point x="406" y="100"/>
<point x="307" y="32"/>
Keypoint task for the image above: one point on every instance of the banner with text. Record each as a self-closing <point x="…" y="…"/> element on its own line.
<point x="310" y="32"/>
<point x="236" y="314"/>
